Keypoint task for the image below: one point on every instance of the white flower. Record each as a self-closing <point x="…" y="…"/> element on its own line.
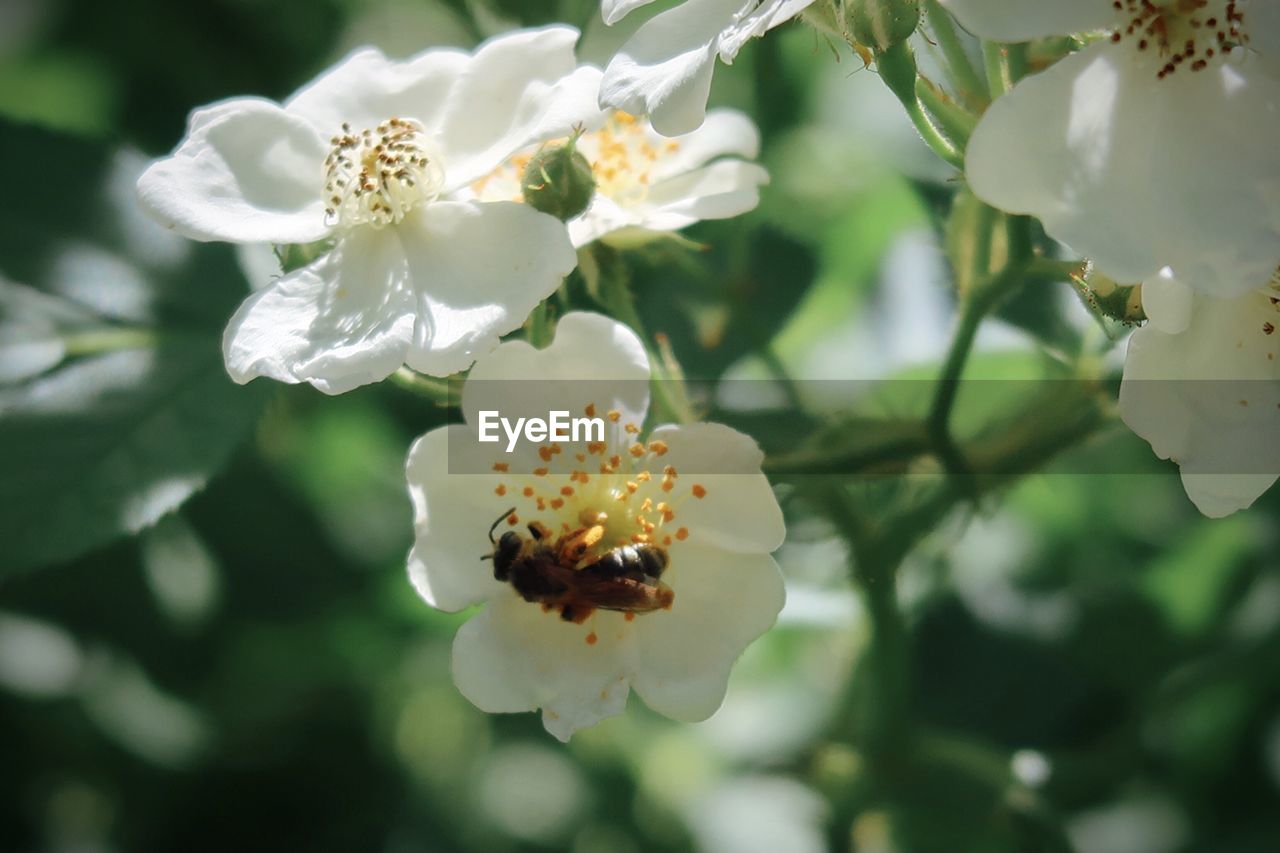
<point x="694" y="490"/>
<point x="647" y="183"/>
<point x="1152" y="147"/>
<point x="371" y="155"/>
<point x="1202" y="385"/>
<point x="664" y="69"/>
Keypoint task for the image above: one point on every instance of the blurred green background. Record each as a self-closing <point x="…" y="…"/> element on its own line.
<point x="1092" y="664"/>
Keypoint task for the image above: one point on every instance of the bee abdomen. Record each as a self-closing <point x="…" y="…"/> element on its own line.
<point x="631" y="561"/>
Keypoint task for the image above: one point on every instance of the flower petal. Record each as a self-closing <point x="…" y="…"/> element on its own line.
<point x="593" y="359"/>
<point x="724" y="133"/>
<point x="725" y="188"/>
<point x="664" y="69"/>
<point x="739" y="512"/>
<point x="519" y="89"/>
<point x="615" y="10"/>
<point x="1263" y="22"/>
<point x="1220" y="495"/>
<point x="1209" y="398"/>
<point x="365" y="89"/>
<point x="1023" y="20"/>
<point x="451" y="517"/>
<point x="723" y="602"/>
<point x="477" y="271"/>
<point x="246" y="172"/>
<point x="513" y="657"/>
<point x="344" y="321"/>
<point x="757" y="22"/>
<point x="1121" y="166"/>
<point x="603" y="216"/>
<point x="1167" y="302"/>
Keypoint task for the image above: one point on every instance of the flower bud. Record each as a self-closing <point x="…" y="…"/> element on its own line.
<point x="558" y="180"/>
<point x="882" y="24"/>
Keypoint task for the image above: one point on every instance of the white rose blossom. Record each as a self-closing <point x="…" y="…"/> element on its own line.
<point x="694" y="490"/>
<point x="1202" y="385"/>
<point x="372" y="155"/>
<point x="647" y="184"/>
<point x="664" y="69"/>
<point x="1153" y="147"/>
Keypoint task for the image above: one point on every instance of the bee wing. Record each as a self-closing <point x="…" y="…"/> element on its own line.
<point x="621" y="593"/>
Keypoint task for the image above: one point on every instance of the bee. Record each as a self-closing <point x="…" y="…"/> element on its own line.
<point x="548" y="571"/>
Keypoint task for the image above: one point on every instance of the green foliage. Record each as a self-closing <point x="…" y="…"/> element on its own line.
<point x="108" y="444"/>
<point x="126" y="410"/>
<point x="1040" y="663"/>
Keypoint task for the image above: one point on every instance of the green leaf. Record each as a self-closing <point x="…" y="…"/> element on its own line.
<point x="117" y="406"/>
<point x="108" y="445"/>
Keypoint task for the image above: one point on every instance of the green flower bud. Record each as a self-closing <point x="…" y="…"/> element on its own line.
<point x="882" y="24"/>
<point x="558" y="180"/>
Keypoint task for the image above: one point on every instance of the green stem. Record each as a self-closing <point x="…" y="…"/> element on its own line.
<point x="435" y="389"/>
<point x="907" y="440"/>
<point x="1006" y="64"/>
<point x="957" y="122"/>
<point x="109" y="340"/>
<point x="964" y="75"/>
<point x="1015" y="62"/>
<point x="616" y="296"/>
<point x="773" y="362"/>
<point x="880" y="705"/>
<point x="1018" y="231"/>
<point x="997" y="69"/>
<point x="538" y="328"/>
<point x="982" y="240"/>
<point x="897" y="67"/>
<point x="932" y="134"/>
<point x="973" y="311"/>
<point x="975" y="303"/>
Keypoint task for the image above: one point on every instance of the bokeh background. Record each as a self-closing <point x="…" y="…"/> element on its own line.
<point x="1092" y="664"/>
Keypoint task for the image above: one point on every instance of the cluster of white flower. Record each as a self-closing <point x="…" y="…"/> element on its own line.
<point x="645" y="562"/>
<point x="404" y="181"/>
<point x="411" y="170"/>
<point x="1151" y="151"/>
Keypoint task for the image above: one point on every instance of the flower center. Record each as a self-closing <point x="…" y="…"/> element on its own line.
<point x="600" y="516"/>
<point x="1181" y="33"/>
<point x="622" y="154"/>
<point x="377" y="175"/>
<point x="624" y="490"/>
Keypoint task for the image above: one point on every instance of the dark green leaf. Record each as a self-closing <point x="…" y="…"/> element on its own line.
<point x="108" y="445"/>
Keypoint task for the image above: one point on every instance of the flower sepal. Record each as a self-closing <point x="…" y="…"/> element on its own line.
<point x="1108" y="299"/>
<point x="295" y="256"/>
